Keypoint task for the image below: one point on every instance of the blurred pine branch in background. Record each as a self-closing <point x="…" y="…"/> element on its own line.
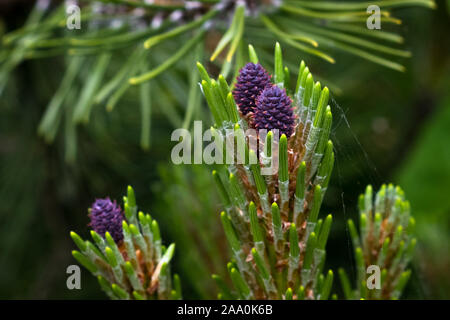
<point x="191" y="222"/>
<point x="139" y="35"/>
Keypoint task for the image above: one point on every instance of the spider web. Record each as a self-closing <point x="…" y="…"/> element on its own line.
<point x="350" y="152"/>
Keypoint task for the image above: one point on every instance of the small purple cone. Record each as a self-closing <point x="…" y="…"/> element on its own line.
<point x="251" y="81"/>
<point x="107" y="216"/>
<point x="274" y="111"/>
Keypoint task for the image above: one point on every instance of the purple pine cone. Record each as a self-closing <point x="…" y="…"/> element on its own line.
<point x="274" y="111"/>
<point x="107" y="216"/>
<point x="251" y="82"/>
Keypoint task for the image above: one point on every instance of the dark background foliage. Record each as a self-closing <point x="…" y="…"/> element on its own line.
<point x="388" y="127"/>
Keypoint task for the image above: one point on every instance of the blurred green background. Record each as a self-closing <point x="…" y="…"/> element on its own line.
<point x="388" y="127"/>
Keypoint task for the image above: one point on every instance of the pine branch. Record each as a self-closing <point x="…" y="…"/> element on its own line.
<point x="128" y="257"/>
